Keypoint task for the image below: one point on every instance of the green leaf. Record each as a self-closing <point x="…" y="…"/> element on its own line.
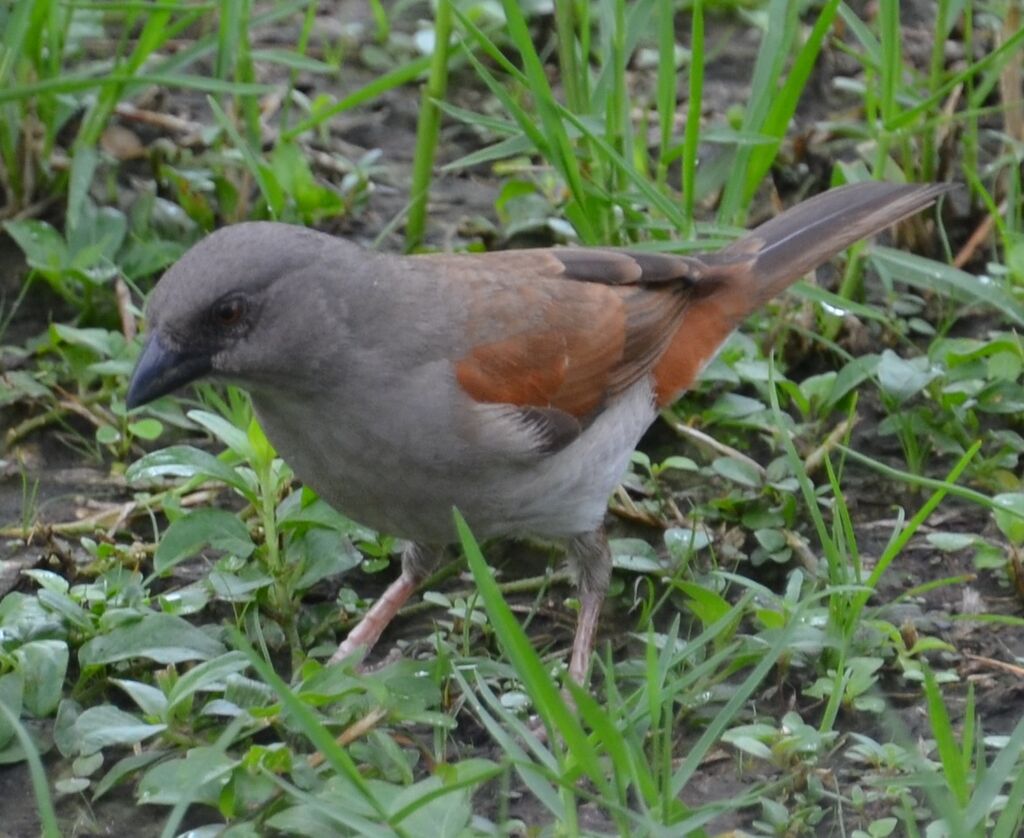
<point x="186" y="461"/>
<point x="66" y="607"/>
<point x="931" y="277"/>
<point x="43" y="665"/>
<point x="440" y="805"/>
<point x="48" y="579"/>
<point x="950" y="542"/>
<point x="199" y="777"/>
<point x="148" y="429"/>
<point x="305" y="720"/>
<point x="903" y="378"/>
<point x="681" y="542"/>
<point x="1008" y="509"/>
<point x="44" y="248"/>
<point x="11" y="691"/>
<point x="238" y="587"/>
<point x="557" y="715"/>
<point x="122" y="768"/>
<point x="636" y="555"/>
<point x="83" y="167"/>
<point x="325" y="553"/>
<point x="771" y="540"/>
<point x="291" y="60"/>
<point x="707" y="606"/>
<point x="737" y="471"/>
<point x="954" y="763"/>
<point x="24" y="617"/>
<point x="100" y="341"/>
<point x="217" y="528"/>
<point x="107" y="435"/>
<point x="749" y="745"/>
<point x="64" y="727"/>
<point x="206" y="676"/>
<point x="163" y="638"/>
<point x="233" y="437"/>
<point x="148" y="698"/>
<point x="106" y="725"/>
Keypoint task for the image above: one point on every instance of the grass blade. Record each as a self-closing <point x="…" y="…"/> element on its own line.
<point x="428" y="127"/>
<point x="315" y="732"/>
<point x="559" y="719"/>
<point x="44" y="803"/>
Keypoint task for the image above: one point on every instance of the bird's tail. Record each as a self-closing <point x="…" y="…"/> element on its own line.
<point x="768" y="259"/>
<point x="790" y="245"/>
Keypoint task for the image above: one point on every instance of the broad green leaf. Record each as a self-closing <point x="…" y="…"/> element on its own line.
<point x="737" y="471"/>
<point x="48" y="579"/>
<point x="708" y="606"/>
<point x="186" y="461"/>
<point x="238" y="587"/>
<point x="103" y="343"/>
<point x="1009" y="514"/>
<point x="635" y="554"/>
<point x="903" y="378"/>
<point x="148" y="429"/>
<point x="43" y="246"/>
<point x="206" y="676"/>
<point x="748" y="744"/>
<point x="123" y="767"/>
<point x="680" y="542"/>
<point x="106" y="725"/>
<point x="325" y="553"/>
<point x="234" y="438"/>
<point x="23" y="617"/>
<point x="163" y="638"/>
<point x="148" y="698"/>
<point x="440" y="805"/>
<point x="932" y="276"/>
<point x="950" y="542"/>
<point x="216" y="528"/>
<point x="199" y="776"/>
<point x="43" y="665"/>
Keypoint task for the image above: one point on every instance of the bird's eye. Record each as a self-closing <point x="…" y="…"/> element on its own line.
<point x="228" y="312"/>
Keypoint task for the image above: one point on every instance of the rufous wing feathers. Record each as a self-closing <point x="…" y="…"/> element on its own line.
<point x="763" y="263"/>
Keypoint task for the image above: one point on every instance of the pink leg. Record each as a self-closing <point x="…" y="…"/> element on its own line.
<point x="586" y="634"/>
<point x="369" y="629"/>
<point x="416" y="564"/>
<point x="592" y="561"/>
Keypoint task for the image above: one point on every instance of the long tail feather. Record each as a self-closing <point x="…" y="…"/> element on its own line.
<point x="768" y="259"/>
<point x="790" y="245"/>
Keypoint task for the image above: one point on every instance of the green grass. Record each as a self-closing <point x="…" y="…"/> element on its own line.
<point x="753" y="639"/>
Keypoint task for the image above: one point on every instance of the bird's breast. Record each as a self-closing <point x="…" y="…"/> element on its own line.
<point x="402" y="468"/>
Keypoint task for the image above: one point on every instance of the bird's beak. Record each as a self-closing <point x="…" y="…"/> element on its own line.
<point x="161" y="370"/>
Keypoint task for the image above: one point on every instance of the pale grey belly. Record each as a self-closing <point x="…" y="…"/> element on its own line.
<point x="411" y="495"/>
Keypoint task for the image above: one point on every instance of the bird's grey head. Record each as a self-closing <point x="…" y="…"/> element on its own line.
<point x="231" y="307"/>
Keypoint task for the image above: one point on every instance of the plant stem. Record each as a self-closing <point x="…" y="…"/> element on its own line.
<point x="429" y="127"/>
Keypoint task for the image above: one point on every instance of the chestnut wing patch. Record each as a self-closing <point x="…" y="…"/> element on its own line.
<point x="565" y="330"/>
<point x="555" y="346"/>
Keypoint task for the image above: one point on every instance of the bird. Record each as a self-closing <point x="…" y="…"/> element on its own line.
<point x="511" y="385"/>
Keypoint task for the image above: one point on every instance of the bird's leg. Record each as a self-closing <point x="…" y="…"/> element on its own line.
<point x="417" y="562"/>
<point x="592" y="562"/>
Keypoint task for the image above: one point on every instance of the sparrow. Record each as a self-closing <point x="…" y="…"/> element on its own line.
<point x="511" y="385"/>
